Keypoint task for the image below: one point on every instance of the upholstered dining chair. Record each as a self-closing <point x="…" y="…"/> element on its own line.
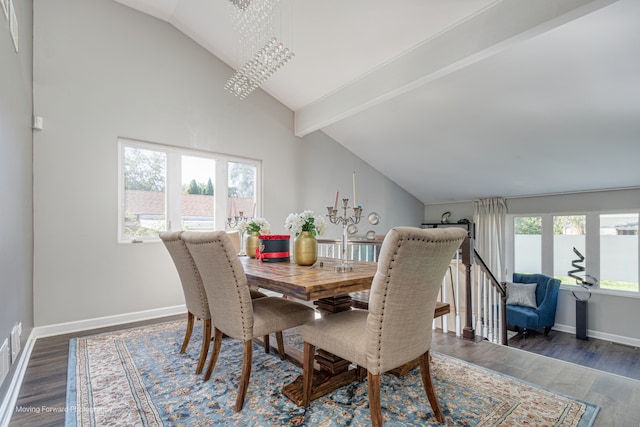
<point x="234" y="235"/>
<point x="233" y="312"/>
<point x="396" y="329"/>
<point x="194" y="293"/>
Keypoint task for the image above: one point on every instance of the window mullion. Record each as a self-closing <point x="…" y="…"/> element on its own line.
<point x="222" y="187"/>
<point x="174" y="191"/>
<point x="547" y="244"/>
<point x="592" y="244"/>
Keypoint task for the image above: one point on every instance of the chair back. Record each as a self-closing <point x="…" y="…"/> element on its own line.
<point x="235" y="239"/>
<point x="411" y="267"/>
<point x="192" y="286"/>
<point x="224" y="280"/>
<point x="546" y="296"/>
<point x="543" y="282"/>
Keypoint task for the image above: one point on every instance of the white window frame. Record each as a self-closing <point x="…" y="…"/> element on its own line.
<point x="173" y="189"/>
<point x="592" y="244"/>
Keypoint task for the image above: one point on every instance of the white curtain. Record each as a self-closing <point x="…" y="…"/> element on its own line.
<point x="489" y="216"/>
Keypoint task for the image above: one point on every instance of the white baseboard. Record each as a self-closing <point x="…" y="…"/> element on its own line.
<point x="10" y="399"/>
<point x="632" y="342"/>
<point x="101" y="322"/>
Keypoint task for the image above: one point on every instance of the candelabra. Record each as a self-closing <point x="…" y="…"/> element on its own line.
<point x="345" y="221"/>
<point x="233" y="223"/>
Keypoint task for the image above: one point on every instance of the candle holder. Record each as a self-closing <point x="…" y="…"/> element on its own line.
<point x="345" y="221"/>
<point x="233" y="223"/>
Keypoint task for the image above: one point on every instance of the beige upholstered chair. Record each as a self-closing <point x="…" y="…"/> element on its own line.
<point x="233" y="312"/>
<point x="194" y="293"/>
<point x="397" y="327"/>
<point x="234" y="235"/>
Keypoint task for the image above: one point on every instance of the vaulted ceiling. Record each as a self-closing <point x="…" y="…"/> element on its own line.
<point x="458" y="99"/>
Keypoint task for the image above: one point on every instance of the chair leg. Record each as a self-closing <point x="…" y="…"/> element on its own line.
<point x="427" y="383"/>
<point x="267" y="347"/>
<point x="373" y="383"/>
<point x="546" y="330"/>
<point x="247" y="355"/>
<point x="280" y="341"/>
<point x="217" y="343"/>
<point x="187" y="334"/>
<point x="204" y="350"/>
<point x="307" y="373"/>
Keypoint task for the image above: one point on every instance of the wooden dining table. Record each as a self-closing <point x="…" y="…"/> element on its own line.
<point x="320" y="282"/>
<point x="329" y="290"/>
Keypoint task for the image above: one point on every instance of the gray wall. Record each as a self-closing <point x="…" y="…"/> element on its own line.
<point x="16" y="220"/>
<point x="609" y="316"/>
<point x="328" y="168"/>
<point x="103" y="70"/>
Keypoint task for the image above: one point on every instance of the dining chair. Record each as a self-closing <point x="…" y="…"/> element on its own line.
<point x="234" y="235"/>
<point x="396" y="328"/>
<point x="233" y="312"/>
<point x="194" y="293"/>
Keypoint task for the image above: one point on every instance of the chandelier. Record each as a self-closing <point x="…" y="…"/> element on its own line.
<point x="261" y="51"/>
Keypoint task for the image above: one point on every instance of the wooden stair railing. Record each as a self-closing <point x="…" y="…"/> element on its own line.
<point x="501" y="289"/>
<point x="467" y="259"/>
<point x="368" y="250"/>
<point x="470" y="257"/>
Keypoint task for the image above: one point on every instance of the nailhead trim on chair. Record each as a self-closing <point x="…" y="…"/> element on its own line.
<point x="204" y="302"/>
<point x="384" y="299"/>
<point x="235" y="275"/>
<point x="244" y="314"/>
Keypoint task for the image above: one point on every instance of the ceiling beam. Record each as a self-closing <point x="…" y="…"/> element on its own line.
<point x="485" y="33"/>
<point x="161" y="9"/>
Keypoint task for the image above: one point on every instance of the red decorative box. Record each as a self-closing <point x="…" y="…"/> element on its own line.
<point x="276" y="248"/>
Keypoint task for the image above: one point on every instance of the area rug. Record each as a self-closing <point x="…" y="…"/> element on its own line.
<point x="137" y="377"/>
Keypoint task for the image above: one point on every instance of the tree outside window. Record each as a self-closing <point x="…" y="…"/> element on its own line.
<point x="144" y="192"/>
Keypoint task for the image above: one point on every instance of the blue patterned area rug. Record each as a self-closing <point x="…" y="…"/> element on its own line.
<point x="137" y="377"/>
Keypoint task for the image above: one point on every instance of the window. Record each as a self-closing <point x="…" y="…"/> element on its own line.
<point x="242" y="189"/>
<point x="608" y="243"/>
<point x="145" y="182"/>
<point x="170" y="188"/>
<point x="619" y="252"/>
<point x="527" y="232"/>
<point x="197" y="205"/>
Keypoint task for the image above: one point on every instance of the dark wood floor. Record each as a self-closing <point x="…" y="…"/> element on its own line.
<point x="606" y="356"/>
<point x="42" y="398"/>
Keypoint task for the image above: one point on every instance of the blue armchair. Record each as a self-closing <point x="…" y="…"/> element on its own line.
<point x="546" y="299"/>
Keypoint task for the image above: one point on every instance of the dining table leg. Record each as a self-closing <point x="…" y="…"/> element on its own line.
<point x="334" y="372"/>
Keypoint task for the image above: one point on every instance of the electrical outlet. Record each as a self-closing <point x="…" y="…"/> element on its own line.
<point x="16" y="332"/>
<point x="4" y="360"/>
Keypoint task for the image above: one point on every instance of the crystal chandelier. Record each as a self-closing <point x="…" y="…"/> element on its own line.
<point x="261" y="52"/>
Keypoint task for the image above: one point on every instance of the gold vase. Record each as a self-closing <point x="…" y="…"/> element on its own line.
<point x="252" y="243"/>
<point x="305" y="249"/>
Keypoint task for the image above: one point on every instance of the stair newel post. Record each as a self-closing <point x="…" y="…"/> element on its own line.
<point x="467" y="259"/>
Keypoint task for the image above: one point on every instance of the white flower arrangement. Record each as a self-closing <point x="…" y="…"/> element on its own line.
<point x="254" y="225"/>
<point x="305" y="221"/>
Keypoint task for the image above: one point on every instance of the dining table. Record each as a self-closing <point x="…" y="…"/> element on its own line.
<point x="329" y="289"/>
<point x="320" y="282"/>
